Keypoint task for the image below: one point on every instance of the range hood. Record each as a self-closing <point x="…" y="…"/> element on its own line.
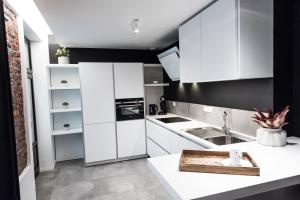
<point x="170" y="61"/>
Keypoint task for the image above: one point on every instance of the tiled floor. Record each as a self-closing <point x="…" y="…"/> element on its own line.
<point x="128" y="180"/>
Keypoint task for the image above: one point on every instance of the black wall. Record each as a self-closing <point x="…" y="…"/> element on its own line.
<point x="296" y="70"/>
<point x="240" y="94"/>
<point x="106" y="55"/>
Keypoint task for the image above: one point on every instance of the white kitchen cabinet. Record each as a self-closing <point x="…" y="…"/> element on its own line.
<point x="129" y="80"/>
<point x="229" y="40"/>
<point x="100" y="142"/>
<point x="190" y="51"/>
<point x="160" y="135"/>
<point x="154" y="150"/>
<point x="179" y="143"/>
<point x="256" y="38"/>
<point x="218" y="44"/>
<point x="194" y="146"/>
<point x="162" y="141"/>
<point x="97" y="91"/>
<point x="131" y="138"/>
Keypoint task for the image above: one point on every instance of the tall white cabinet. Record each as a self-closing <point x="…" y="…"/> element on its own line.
<point x="231" y="39"/>
<point x="98" y="102"/>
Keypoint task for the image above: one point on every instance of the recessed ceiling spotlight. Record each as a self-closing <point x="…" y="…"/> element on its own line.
<point x="135" y="28"/>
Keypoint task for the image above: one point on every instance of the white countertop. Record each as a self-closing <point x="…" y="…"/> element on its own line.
<point x="279" y="167"/>
<point x="179" y="126"/>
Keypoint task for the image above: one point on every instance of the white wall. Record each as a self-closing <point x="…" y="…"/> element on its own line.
<point x="40" y="58"/>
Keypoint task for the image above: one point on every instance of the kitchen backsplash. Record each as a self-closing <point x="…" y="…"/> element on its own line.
<point x="237" y="120"/>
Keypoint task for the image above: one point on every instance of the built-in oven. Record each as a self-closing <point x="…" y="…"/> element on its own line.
<point x="130" y="109"/>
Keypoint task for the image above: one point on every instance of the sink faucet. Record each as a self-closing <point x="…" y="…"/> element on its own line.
<point x="225" y="129"/>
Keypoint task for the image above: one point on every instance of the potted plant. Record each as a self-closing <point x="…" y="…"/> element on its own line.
<point x="270" y="132"/>
<point x="62" y="54"/>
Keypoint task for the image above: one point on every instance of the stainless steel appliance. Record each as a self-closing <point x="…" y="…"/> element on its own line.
<point x="153" y="108"/>
<point x="129" y="109"/>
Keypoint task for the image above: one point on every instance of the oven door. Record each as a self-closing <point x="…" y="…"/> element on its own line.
<point x="130" y="111"/>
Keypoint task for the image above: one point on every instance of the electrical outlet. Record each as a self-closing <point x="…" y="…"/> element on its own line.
<point x="208" y="109"/>
<point x="174" y="104"/>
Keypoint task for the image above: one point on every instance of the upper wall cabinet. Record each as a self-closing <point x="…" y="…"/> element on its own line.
<point x="231" y="39"/>
<point x="189" y="40"/>
<point x="129" y="80"/>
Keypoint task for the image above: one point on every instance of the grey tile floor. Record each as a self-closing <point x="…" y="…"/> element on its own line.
<point x="127" y="180"/>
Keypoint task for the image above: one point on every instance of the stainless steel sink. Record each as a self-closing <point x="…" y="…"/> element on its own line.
<point x="204" y="132"/>
<point x="222" y="140"/>
<point x="214" y="135"/>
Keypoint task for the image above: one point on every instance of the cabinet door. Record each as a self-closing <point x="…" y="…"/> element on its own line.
<point x="154" y="150"/>
<point x="159" y="135"/>
<point x="256" y="38"/>
<point x="179" y="143"/>
<point x="194" y="146"/>
<point x="100" y="142"/>
<point x="131" y="138"/>
<point x="219" y="41"/>
<point x="97" y="90"/>
<point x="190" y="51"/>
<point x="129" y="80"/>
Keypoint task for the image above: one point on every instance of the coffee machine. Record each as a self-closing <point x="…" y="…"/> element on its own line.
<point x="163" y="106"/>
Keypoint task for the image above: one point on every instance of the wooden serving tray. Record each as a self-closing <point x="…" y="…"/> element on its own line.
<point x="213" y="162"/>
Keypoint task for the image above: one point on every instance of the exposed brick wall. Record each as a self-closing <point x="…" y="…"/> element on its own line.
<point x="16" y="86"/>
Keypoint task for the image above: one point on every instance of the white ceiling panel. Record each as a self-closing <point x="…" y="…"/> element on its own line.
<point x="106" y="23"/>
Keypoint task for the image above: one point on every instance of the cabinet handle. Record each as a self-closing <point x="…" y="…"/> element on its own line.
<point x="64" y="82"/>
<point x="67" y="125"/>
<point x="65" y="104"/>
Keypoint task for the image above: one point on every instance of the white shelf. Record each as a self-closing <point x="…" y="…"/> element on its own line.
<point x="63" y="66"/>
<point x="65" y="88"/>
<point x="65" y="110"/>
<point x="67" y="132"/>
<point x="153" y="65"/>
<point x="157" y="85"/>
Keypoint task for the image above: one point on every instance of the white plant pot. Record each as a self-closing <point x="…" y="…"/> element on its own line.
<point x="63" y="60"/>
<point x="271" y="137"/>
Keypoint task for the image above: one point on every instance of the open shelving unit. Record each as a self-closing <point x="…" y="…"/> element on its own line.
<point x="65" y="111"/>
<point x="154" y="84"/>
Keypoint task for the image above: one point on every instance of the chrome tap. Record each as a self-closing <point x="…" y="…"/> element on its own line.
<point x="225" y="129"/>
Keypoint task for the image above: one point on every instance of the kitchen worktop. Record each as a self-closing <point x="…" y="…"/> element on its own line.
<point x="179" y="127"/>
<point x="279" y="168"/>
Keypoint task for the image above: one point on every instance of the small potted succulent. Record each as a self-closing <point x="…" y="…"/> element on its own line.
<point x="270" y="132"/>
<point x="62" y="54"/>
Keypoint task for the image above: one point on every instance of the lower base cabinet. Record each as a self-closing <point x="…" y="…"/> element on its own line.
<point x="100" y="142"/>
<point x="162" y="141"/>
<point x="154" y="150"/>
<point x="179" y="143"/>
<point x="131" y="137"/>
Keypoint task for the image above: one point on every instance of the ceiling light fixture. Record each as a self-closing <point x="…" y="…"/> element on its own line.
<point x="135" y="28"/>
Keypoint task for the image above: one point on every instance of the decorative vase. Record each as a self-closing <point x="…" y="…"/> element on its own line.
<point x="271" y="137"/>
<point x="63" y="60"/>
